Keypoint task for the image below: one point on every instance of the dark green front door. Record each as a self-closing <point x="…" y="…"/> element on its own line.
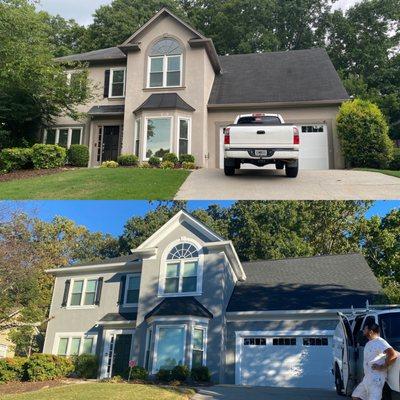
<point x="122" y="351"/>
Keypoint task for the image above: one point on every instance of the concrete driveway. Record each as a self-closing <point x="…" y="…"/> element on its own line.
<point x="228" y="392"/>
<point x="263" y="184"/>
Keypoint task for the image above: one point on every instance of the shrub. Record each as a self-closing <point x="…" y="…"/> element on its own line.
<point x="78" y="155"/>
<point x="85" y="366"/>
<point x="395" y="164"/>
<point x="154" y="161"/>
<point x="12" y="369"/>
<point x="200" y="374"/>
<point x="171" y="157"/>
<point x="15" y="159"/>
<point x="167" y="165"/>
<point x="46" y="156"/>
<point x="180" y="373"/>
<point x="42" y="367"/>
<point x="188" y="165"/>
<point x="189" y="158"/>
<point x="128" y="160"/>
<point x="363" y="133"/>
<point x="109" y="164"/>
<point x="145" y="165"/>
<point x="138" y="374"/>
<point x="164" y="375"/>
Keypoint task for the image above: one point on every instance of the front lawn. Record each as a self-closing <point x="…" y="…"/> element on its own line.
<point x="104" y="391"/>
<point x="98" y="184"/>
<point x="382" y="171"/>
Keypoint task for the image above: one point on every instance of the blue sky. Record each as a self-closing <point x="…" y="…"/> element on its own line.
<point x="82" y="10"/>
<point x="110" y="216"/>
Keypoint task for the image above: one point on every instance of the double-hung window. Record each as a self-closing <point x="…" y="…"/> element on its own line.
<point x="184" y="139"/>
<point x="137" y="136"/>
<point x="132" y="289"/>
<point x="117" y="83"/>
<point x="83" y="292"/>
<point x="75" y="345"/>
<point x="165" y="64"/>
<point x="182" y="270"/>
<point x="64" y="137"/>
<point x="198" y="342"/>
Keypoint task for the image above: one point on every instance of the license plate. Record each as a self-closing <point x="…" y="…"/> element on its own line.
<point x="261" y="153"/>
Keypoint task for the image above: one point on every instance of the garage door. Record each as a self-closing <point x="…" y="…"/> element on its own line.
<point x="314" y="149"/>
<point x="286" y="361"/>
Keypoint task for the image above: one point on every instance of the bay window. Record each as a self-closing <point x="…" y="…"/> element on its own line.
<point x="184" y="147"/>
<point x="63" y="137"/>
<point x="137" y="136"/>
<point x="170" y="347"/>
<point x="158" y="137"/>
<point x="198" y="345"/>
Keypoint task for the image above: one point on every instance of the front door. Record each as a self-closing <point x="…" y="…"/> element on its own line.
<point x="122" y="352"/>
<point x="111" y="143"/>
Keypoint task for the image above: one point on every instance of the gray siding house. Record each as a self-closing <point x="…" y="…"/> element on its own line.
<point x="166" y="89"/>
<point x="183" y="297"/>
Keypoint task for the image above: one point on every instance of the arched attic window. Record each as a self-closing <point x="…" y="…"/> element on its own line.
<point x="165" y="64"/>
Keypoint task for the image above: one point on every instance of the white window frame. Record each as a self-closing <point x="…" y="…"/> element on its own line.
<point x="189" y="121"/>
<point x="204" y="329"/>
<point x="84" y="279"/>
<point x="74" y="335"/>
<point x="165" y="70"/>
<point x="146" y="121"/>
<point x="137" y="136"/>
<point x="125" y="303"/>
<point x="165" y="262"/>
<point x="69" y="139"/>
<point x="3" y="347"/>
<point x="156" y="342"/>
<point x="149" y="340"/>
<point x="110" y="86"/>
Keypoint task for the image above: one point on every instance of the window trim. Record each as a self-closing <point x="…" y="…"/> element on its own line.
<point x="156" y="342"/>
<point x="57" y="137"/>
<point x="81" y="306"/>
<point x="164" y="71"/>
<point x="171" y="131"/>
<point x="149" y="339"/>
<point x="165" y="262"/>
<point x="74" y="335"/>
<point x="110" y="86"/>
<point x="189" y="120"/>
<point x="125" y="303"/>
<point x="138" y="121"/>
<point x="205" y="340"/>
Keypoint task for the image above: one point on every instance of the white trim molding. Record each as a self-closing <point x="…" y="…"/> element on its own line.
<point x="57" y="130"/>
<point x="110" y="86"/>
<point x="74" y="335"/>
<point x="189" y="138"/>
<point x="129" y="276"/>
<point x="85" y="279"/>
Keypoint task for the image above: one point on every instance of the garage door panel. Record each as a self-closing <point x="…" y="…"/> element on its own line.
<point x="301" y="365"/>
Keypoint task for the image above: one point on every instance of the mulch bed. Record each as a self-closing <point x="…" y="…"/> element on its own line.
<point x="30" y="173"/>
<point x="23" y="387"/>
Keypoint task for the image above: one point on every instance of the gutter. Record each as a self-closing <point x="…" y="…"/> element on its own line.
<point x="89" y="268"/>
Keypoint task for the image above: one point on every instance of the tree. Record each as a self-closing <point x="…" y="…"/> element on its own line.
<point x="116" y="22"/>
<point x="33" y="88"/>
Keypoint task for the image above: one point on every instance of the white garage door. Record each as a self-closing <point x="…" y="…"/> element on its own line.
<point x="286" y="361"/>
<point x="314" y="149"/>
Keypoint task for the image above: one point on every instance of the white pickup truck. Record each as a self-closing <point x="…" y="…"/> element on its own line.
<point x="348" y="349"/>
<point x="261" y="139"/>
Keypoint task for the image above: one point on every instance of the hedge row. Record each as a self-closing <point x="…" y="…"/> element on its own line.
<point x="43" y="367"/>
<point x="182" y="373"/>
<point x="43" y="156"/>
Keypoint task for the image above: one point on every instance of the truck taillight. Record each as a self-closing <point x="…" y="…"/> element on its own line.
<point x="227" y="138"/>
<point x="296" y="136"/>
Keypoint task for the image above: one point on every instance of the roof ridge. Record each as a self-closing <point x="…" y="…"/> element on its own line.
<point x="273" y="52"/>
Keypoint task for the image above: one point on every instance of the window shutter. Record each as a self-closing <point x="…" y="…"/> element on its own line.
<point x="122" y="290"/>
<point x="98" y="291"/>
<point x="66" y="292"/>
<point x="106" y="82"/>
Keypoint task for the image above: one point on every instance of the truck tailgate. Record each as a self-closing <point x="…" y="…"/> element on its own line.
<point x="261" y="135"/>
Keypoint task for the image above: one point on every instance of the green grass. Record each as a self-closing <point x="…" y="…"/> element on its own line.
<point x="98" y="184"/>
<point x="102" y="391"/>
<point x="382" y="171"/>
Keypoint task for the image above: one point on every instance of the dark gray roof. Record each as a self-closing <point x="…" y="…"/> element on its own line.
<point x="322" y="282"/>
<point x="179" y="306"/>
<point x="112" y="53"/>
<point x="290" y="76"/>
<point x="119" y="317"/>
<point x="121" y="259"/>
<point x="165" y="101"/>
<point x="107" y="110"/>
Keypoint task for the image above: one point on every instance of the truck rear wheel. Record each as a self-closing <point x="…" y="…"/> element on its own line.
<point x="292" y="172"/>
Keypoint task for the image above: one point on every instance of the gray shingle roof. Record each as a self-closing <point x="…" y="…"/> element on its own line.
<point x="324" y="282"/>
<point x="112" y="53"/>
<point x="107" y="110"/>
<point x="177" y="306"/>
<point x="291" y="76"/>
<point x="119" y="317"/>
<point x="171" y="101"/>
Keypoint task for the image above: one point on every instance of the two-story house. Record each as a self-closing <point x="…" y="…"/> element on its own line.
<point x="165" y="89"/>
<point x="183" y="297"/>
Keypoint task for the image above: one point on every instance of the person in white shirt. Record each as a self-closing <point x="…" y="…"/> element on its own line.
<point x="378" y="357"/>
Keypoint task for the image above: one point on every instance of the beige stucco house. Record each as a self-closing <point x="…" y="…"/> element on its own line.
<point x="6" y="346"/>
<point x="166" y="89"/>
